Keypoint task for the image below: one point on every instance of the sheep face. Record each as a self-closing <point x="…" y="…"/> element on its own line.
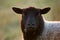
<point x="31" y="17"/>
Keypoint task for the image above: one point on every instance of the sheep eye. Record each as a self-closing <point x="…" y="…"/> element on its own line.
<point x="25" y="13"/>
<point x="36" y="14"/>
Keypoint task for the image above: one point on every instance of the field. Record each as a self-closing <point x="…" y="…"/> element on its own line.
<point x="10" y="21"/>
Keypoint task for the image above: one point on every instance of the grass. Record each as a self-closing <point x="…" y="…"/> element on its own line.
<point x="10" y="22"/>
<point x="9" y="25"/>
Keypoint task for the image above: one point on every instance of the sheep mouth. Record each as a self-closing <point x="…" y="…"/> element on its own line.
<point x="29" y="29"/>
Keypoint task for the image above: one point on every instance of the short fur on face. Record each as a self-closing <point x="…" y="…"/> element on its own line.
<point x="32" y="21"/>
<point x="31" y="14"/>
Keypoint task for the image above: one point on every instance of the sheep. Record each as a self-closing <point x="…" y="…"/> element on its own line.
<point x="34" y="27"/>
<point x="51" y="30"/>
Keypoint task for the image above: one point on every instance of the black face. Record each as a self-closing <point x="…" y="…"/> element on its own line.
<point x="31" y="17"/>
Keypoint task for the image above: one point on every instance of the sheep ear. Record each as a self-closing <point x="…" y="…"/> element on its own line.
<point x="17" y="10"/>
<point x="45" y="10"/>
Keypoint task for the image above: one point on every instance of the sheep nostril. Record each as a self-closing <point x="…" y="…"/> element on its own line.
<point x="28" y="24"/>
<point x="32" y="24"/>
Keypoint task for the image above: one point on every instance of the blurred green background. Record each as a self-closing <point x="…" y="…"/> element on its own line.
<point x="10" y="21"/>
